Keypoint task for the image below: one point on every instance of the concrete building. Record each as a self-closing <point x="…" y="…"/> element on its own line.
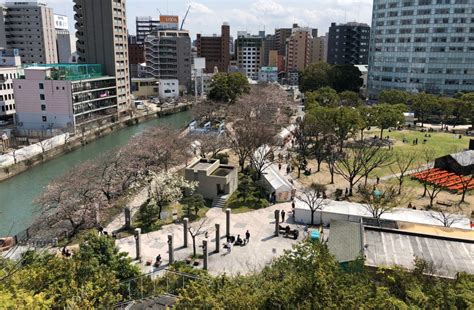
<point x="136" y="56"/>
<point x="10" y="68"/>
<point x="63" y="38"/>
<point x="248" y="52"/>
<point x="269" y="51"/>
<point x="268" y="74"/>
<point x="422" y="46"/>
<point x="102" y="39"/>
<point x="215" y="49"/>
<point x="168" y="56"/>
<point x="168" y="88"/>
<point x="318" y="49"/>
<point x="364" y="69"/>
<point x="64" y="97"/>
<point x="348" y="44"/>
<point x="214" y="180"/>
<point x="29" y="27"/>
<point x="298" y="49"/>
<point x="144" y="26"/>
<point x="144" y="88"/>
<point x="3" y="37"/>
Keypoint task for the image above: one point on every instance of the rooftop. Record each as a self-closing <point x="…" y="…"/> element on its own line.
<point x="464" y="158"/>
<point x="222" y="171"/>
<point x="70" y="72"/>
<point x="345" y="241"/>
<point x="202" y="164"/>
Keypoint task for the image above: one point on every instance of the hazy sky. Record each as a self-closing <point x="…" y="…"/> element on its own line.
<point x="206" y="16"/>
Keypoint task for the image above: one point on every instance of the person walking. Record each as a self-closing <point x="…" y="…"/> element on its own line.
<point x="282" y="216"/>
<point x="229" y="247"/>
<point x="247" y="236"/>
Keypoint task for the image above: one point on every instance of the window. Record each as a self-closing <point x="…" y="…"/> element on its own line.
<point x="41" y="86"/>
<point x="45" y="119"/>
<point x="43" y="107"/>
<point x="41" y="96"/>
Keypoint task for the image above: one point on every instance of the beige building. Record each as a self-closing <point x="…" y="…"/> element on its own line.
<point x="144" y="88"/>
<point x="102" y="39"/>
<point x="273" y="58"/>
<point x="214" y="179"/>
<point x="318" y="50"/>
<point x="29" y="27"/>
<point x="298" y="49"/>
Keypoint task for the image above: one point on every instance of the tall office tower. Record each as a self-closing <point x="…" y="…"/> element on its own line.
<point x="102" y="39"/>
<point x="29" y="27"/>
<point x="168" y="56"/>
<point x="145" y="25"/>
<point x="422" y="46"/>
<point x="63" y="38"/>
<point x="281" y="35"/>
<point x="215" y="49"/>
<point x="248" y="51"/>
<point x="3" y="37"/>
<point x="136" y="56"/>
<point x="269" y="51"/>
<point x="318" y="49"/>
<point x="298" y="49"/>
<point x="348" y="44"/>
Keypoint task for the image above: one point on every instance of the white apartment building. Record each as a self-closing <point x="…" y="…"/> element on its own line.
<point x="249" y="54"/>
<point x="10" y="68"/>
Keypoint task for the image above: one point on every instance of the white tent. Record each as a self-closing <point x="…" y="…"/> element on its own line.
<point x="277" y="184"/>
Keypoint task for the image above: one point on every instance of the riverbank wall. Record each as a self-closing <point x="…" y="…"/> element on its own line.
<point x="79" y="140"/>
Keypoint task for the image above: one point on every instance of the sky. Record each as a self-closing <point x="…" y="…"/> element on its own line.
<point x="206" y="16"/>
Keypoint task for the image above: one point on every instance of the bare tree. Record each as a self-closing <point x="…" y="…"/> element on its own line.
<point x="207" y="111"/>
<point x="467" y="183"/>
<point x="380" y="200"/>
<point x="197" y="229"/>
<point x="211" y="145"/>
<point x="45" y="145"/>
<point x="446" y="215"/>
<point x="432" y="190"/>
<point x="379" y="160"/>
<point x="312" y="197"/>
<point x="403" y="162"/>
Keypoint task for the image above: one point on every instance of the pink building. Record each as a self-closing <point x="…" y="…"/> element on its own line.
<point x="64" y="96"/>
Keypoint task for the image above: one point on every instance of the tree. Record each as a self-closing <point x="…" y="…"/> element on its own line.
<point x="262" y="158"/>
<point x="312" y="197"/>
<point x="227" y="87"/>
<point x="403" y="162"/>
<point x="394" y="96"/>
<point x="192" y="204"/>
<point x="210" y="145"/>
<point x="447" y="216"/>
<point x="345" y="77"/>
<point x="379" y="200"/>
<point x="197" y="229"/>
<point x="467" y="183"/>
<point x="367" y="118"/>
<point x="302" y="136"/>
<point x="386" y="116"/>
<point x="423" y="105"/>
<point x="350" y="99"/>
<point x="346" y="122"/>
<point x="206" y="111"/>
<point x="314" y="76"/>
<point x="446" y="108"/>
<point x="466" y="108"/>
<point x="325" y="96"/>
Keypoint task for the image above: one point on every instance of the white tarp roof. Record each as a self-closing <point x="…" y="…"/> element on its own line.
<point x="404" y="215"/>
<point x="285" y="132"/>
<point x="276" y="180"/>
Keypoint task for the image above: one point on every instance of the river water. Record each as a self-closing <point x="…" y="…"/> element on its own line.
<point x="17" y="210"/>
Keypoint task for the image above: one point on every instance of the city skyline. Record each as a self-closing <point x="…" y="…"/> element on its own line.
<point x="206" y="16"/>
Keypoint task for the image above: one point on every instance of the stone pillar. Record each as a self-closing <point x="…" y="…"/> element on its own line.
<point x="128" y="218"/>
<point x="170" y="249"/>
<point x="205" y="253"/>
<point x="218" y="237"/>
<point x="277" y="223"/>
<point x="138" y="241"/>
<point x="227" y="223"/>
<point x="185" y="231"/>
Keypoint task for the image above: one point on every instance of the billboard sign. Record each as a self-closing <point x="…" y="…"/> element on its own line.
<point x="169" y="22"/>
<point x="61" y="22"/>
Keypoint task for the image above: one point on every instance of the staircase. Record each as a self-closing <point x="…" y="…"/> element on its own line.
<point x="219" y="201"/>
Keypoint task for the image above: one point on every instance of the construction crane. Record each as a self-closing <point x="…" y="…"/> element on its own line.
<point x="184" y="19"/>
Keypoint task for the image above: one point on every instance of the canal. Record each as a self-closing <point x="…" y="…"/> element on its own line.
<point x="17" y="210"/>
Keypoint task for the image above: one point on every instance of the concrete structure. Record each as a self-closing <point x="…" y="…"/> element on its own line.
<point x="3" y="37"/>
<point x="215" y="49"/>
<point x="298" y="49"/>
<point x="29" y="27"/>
<point x="422" y="46"/>
<point x="64" y="96"/>
<point x="144" y="26"/>
<point x="348" y="44"/>
<point x="269" y="51"/>
<point x="136" y="56"/>
<point x="346" y="241"/>
<point x="168" y="56"/>
<point x="268" y="74"/>
<point x="63" y="38"/>
<point x="318" y="49"/>
<point x="248" y="52"/>
<point x="10" y="68"/>
<point x="143" y="88"/>
<point x="214" y="179"/>
<point x="102" y="39"/>
<point x="364" y="69"/>
<point x="168" y="89"/>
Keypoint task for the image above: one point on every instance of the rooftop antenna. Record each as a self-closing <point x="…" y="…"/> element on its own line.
<point x="159" y="11"/>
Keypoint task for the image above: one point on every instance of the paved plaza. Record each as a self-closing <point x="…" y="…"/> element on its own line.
<point x="259" y="252"/>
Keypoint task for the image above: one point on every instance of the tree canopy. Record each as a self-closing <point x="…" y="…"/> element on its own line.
<point x="227" y="87"/>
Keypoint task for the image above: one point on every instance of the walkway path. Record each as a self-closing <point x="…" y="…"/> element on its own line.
<point x="261" y="250"/>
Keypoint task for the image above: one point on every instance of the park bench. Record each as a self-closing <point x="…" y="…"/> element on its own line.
<point x="288" y="232"/>
<point x="444" y="203"/>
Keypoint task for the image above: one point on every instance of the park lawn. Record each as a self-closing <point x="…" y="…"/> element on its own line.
<point x="441" y="143"/>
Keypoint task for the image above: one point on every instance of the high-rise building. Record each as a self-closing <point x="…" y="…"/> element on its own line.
<point x="3" y="37"/>
<point x="298" y="49"/>
<point x="268" y="51"/>
<point x="318" y="49"/>
<point x="281" y="35"/>
<point x="248" y="51"/>
<point x="136" y="56"/>
<point x="10" y="69"/>
<point x="422" y="46"/>
<point x="168" y="56"/>
<point x="29" y="27"/>
<point x="145" y="25"/>
<point x="102" y="39"/>
<point x="216" y="50"/>
<point x="348" y="44"/>
<point x="63" y="38"/>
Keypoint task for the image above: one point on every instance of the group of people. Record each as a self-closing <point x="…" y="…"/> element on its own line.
<point x="231" y="240"/>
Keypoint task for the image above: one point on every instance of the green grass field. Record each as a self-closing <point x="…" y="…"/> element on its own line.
<point x="441" y="143"/>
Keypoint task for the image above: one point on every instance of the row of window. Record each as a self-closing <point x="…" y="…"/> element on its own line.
<point x="8" y="107"/>
<point x="420" y="80"/>
<point x="423" y="12"/>
<point x="392" y="5"/>
<point x="7" y="97"/>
